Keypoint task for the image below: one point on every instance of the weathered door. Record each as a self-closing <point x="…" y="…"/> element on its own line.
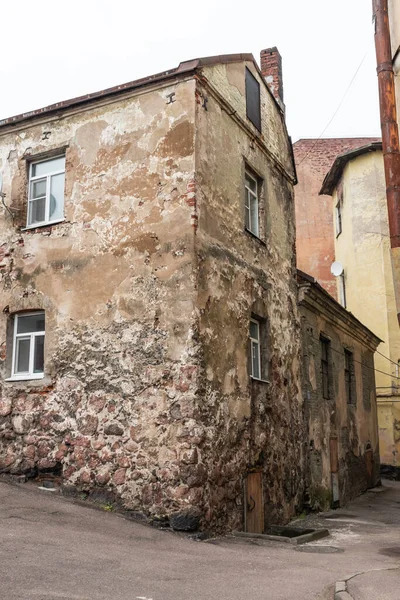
<point x="334" y="457"/>
<point x="254" y="504"/>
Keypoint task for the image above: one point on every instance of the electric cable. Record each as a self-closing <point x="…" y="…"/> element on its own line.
<point x="338" y="108"/>
<point x="361" y="363"/>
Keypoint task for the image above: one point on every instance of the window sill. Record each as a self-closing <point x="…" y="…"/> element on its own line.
<point x="25" y="377"/>
<point x="259" y="380"/>
<point x="40" y="225"/>
<point x="254" y="236"/>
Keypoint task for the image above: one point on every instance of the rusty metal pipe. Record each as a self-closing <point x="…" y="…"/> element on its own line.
<point x="390" y="134"/>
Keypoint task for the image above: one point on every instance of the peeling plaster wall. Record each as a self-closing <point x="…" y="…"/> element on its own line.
<point x="148" y="288"/>
<point x="249" y="424"/>
<point x="352" y="425"/>
<point x="116" y="282"/>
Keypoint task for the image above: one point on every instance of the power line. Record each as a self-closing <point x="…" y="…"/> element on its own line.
<point x="387" y="358"/>
<point x="338" y="108"/>
<point x="361" y="363"/>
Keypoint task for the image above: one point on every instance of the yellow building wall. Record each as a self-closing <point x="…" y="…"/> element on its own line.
<point x="394" y="21"/>
<point x="363" y="248"/>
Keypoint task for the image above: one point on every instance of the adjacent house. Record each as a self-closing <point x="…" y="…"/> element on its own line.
<point x="356" y="184"/>
<point x="339" y="395"/>
<point x="315" y="244"/>
<point x="150" y="337"/>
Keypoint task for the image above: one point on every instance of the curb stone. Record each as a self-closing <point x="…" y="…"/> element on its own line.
<point x="341" y="592"/>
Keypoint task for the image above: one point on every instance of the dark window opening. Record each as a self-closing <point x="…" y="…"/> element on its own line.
<point x="324" y="343"/>
<point x="253" y="109"/>
<point x="348" y="376"/>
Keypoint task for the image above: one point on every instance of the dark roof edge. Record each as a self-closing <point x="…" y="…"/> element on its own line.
<point x="331" y="139"/>
<point x="184" y="69"/>
<point x="301" y="275"/>
<point x="335" y="172"/>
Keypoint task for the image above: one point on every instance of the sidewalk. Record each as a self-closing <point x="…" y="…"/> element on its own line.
<point x="382" y="584"/>
<point x="369" y="525"/>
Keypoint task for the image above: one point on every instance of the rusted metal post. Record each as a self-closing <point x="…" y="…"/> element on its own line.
<point x="390" y="134"/>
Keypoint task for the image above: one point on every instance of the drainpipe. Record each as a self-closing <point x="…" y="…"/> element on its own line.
<point x="390" y="134"/>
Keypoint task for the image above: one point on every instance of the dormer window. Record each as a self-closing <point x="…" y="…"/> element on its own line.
<point x="253" y="108"/>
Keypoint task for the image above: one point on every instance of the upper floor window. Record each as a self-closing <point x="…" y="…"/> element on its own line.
<point x="342" y="290"/>
<point x="255" y="349"/>
<point x="46" y="191"/>
<point x="338" y="218"/>
<point x="253" y="108"/>
<point x="325" y="366"/>
<point x="28" y="346"/>
<point x="348" y="376"/>
<point x="251" y="204"/>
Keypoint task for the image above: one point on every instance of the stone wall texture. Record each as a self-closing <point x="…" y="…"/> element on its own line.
<point x="148" y="286"/>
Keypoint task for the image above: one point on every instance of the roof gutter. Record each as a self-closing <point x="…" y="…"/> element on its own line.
<point x="390" y="134"/>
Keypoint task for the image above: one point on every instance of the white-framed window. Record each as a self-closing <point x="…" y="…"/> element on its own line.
<point x="255" y="349"/>
<point x="46" y="191"/>
<point x="342" y="290"/>
<point x="251" y="204"/>
<point x="338" y="218"/>
<point x="28" y="346"/>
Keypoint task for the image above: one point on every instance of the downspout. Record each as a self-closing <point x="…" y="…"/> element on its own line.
<point x="390" y="135"/>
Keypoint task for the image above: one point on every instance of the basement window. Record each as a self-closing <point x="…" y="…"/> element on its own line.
<point x="28" y="346"/>
<point x="46" y="192"/>
<point x="253" y="107"/>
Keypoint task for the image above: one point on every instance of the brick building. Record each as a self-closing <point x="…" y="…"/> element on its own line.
<point x="149" y="321"/>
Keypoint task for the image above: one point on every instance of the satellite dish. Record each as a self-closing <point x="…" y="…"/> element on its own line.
<point x="336" y="268"/>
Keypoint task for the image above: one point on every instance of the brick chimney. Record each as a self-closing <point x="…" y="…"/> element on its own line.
<point x="271" y="68"/>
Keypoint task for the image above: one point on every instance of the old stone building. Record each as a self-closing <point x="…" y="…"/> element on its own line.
<point x="339" y="396"/>
<point x="149" y="323"/>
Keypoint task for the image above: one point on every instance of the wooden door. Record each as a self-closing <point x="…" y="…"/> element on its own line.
<point x="334" y="458"/>
<point x="254" y="503"/>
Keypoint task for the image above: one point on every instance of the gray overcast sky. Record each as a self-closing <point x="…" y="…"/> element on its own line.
<point x="53" y="50"/>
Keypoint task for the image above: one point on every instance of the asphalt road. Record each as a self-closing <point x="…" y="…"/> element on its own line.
<point x="53" y="549"/>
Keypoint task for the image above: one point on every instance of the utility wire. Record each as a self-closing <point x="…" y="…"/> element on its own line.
<point x="361" y="363"/>
<point x="337" y="110"/>
<point x="387" y="358"/>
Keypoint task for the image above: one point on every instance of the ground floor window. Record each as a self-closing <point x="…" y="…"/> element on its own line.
<point x="28" y="345"/>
